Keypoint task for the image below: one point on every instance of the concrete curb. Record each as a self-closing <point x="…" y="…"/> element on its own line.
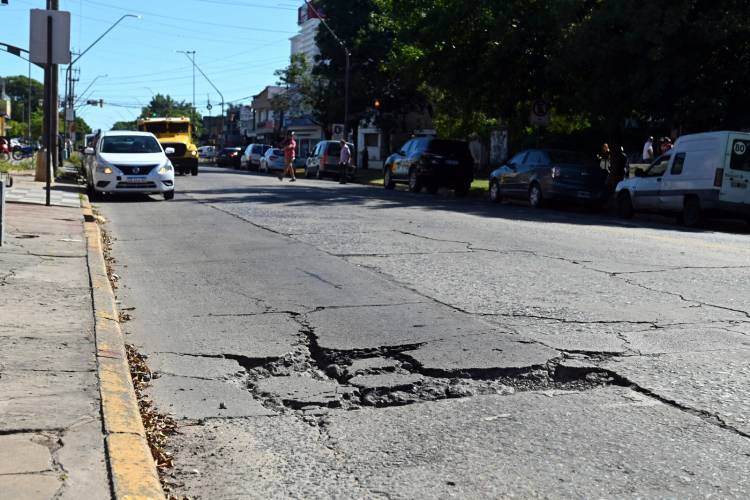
<point x="132" y="469"/>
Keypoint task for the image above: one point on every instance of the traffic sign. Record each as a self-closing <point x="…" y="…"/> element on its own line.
<point x="337" y="131"/>
<point x="60" y="41"/>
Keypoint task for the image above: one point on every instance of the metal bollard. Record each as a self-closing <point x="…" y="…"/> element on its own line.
<point x="6" y="181"/>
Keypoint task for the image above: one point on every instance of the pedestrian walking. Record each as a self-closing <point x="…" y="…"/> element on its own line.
<point x="290" y="153"/>
<point x="648" y="150"/>
<point x="604" y="157"/>
<point x="345" y="159"/>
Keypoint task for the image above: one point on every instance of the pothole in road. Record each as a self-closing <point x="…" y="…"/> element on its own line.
<point x="312" y="380"/>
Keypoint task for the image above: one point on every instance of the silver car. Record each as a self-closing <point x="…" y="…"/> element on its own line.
<point x="272" y="159"/>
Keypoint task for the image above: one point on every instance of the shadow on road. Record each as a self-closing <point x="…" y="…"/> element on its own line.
<point x="313" y="195"/>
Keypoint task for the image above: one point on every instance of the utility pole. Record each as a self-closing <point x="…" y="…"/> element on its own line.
<point x="347" y="54"/>
<point x="217" y="91"/>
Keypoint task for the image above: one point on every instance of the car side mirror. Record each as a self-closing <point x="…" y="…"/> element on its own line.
<point x="169" y="151"/>
<point x="88" y="151"/>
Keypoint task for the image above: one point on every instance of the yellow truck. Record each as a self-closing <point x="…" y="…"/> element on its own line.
<point x="175" y="133"/>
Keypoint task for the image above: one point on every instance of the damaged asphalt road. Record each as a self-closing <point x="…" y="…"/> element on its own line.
<point x="314" y="340"/>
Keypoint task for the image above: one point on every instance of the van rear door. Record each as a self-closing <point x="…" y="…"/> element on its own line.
<point x="735" y="187"/>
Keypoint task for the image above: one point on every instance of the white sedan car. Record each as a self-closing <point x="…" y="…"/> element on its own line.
<point x="129" y="162"/>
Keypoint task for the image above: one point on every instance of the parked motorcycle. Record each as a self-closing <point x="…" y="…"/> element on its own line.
<point x="21" y="152"/>
<point x="4" y="151"/>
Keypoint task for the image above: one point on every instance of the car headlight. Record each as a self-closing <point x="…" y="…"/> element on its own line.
<point x="166" y="168"/>
<point x="194" y="153"/>
<point x="104" y="169"/>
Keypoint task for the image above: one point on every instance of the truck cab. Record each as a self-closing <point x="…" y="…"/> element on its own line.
<point x="175" y="133"/>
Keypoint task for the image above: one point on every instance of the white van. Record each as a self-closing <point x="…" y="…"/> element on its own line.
<point x="707" y="173"/>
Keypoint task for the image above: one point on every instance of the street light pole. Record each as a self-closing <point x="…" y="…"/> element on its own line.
<point x="218" y="92"/>
<point x="191" y="55"/>
<point x="348" y="54"/>
<point x="68" y="96"/>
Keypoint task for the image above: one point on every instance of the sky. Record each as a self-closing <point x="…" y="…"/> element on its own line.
<point x="238" y="43"/>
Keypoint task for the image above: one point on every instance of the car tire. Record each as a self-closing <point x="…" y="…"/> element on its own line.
<point x="168" y="195"/>
<point x="496" y="195"/>
<point x="308" y="175"/>
<point x="415" y="185"/>
<point x="691" y="212"/>
<point x="433" y="187"/>
<point x="91" y="192"/>
<point x="624" y="205"/>
<point x="536" y="198"/>
<point x="388" y="182"/>
<point x="318" y="174"/>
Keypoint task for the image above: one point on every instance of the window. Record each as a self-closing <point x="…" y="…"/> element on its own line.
<point x="740" y="155"/>
<point x="518" y="159"/>
<point x="659" y="166"/>
<point x="371" y="140"/>
<point x="536" y="158"/>
<point x="679" y="163"/>
<point x="130" y="144"/>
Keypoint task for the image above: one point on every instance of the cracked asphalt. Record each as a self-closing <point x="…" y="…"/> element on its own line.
<point x="318" y="341"/>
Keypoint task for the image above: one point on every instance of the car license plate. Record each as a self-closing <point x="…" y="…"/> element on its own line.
<point x="584" y="194"/>
<point x="451" y="162"/>
<point x="137" y="180"/>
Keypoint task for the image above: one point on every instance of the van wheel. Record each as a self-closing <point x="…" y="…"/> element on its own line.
<point x="536" y="199"/>
<point x="194" y="171"/>
<point x="624" y="205"/>
<point x="388" y="182"/>
<point x="691" y="212"/>
<point x="415" y="185"/>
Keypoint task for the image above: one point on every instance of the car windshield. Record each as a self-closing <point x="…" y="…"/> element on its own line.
<point x="443" y="147"/>
<point x="130" y="144"/>
<point x="573" y="158"/>
<point x="275" y="152"/>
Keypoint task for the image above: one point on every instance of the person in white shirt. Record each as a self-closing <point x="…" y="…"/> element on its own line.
<point x="345" y="159"/>
<point x="648" y="150"/>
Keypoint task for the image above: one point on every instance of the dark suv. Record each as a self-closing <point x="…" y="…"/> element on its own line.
<point x="431" y="163"/>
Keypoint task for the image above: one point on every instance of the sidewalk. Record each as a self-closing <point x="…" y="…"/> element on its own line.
<point x="25" y="190"/>
<point x="51" y="439"/>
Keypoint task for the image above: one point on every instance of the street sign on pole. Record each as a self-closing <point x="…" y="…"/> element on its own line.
<point x="60" y="42"/>
<point x="540" y="114"/>
<point x="337" y="131"/>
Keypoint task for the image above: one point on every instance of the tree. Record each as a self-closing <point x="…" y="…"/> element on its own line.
<point x="17" y="88"/>
<point x="164" y="106"/>
<point x="124" y="125"/>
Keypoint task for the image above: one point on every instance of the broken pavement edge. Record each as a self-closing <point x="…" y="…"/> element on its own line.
<point x="132" y="469"/>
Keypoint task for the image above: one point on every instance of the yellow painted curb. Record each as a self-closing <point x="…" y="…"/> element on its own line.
<point x="132" y="469"/>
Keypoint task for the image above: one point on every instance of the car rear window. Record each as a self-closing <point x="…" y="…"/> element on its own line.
<point x="573" y="158"/>
<point x="334" y="148"/>
<point x="453" y="148"/>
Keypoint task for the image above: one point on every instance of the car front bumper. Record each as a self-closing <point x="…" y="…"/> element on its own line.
<point x="152" y="183"/>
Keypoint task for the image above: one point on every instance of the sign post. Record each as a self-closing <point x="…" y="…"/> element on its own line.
<point x="49" y="44"/>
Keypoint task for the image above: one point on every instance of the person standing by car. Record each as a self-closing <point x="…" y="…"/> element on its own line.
<point x="345" y="159"/>
<point x="290" y="154"/>
<point x="648" y="150"/>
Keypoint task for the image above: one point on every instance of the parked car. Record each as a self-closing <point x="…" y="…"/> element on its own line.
<point x="229" y="157"/>
<point x="129" y="162"/>
<point x="324" y="161"/>
<point x="251" y="157"/>
<point x="207" y="152"/>
<point x="272" y="159"/>
<point x="541" y="175"/>
<point x="431" y="163"/>
<point x="707" y="173"/>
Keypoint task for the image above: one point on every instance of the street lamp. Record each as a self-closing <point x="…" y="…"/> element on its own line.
<point x="348" y="54"/>
<point x="87" y="88"/>
<point x="195" y="66"/>
<point x="191" y="55"/>
<point x="68" y="96"/>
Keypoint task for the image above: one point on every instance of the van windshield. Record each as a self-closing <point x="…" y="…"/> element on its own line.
<point x="130" y="144"/>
